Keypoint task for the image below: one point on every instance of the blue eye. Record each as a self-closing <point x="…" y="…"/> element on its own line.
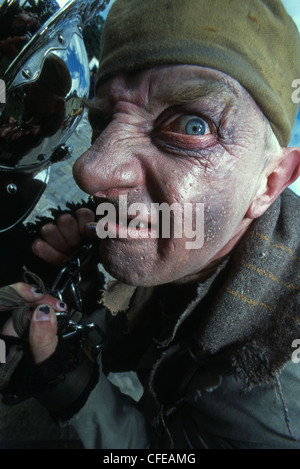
<point x="188" y="125"/>
<point x="195" y="126"/>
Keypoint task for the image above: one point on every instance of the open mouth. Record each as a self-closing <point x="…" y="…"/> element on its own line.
<point x="134" y="227"/>
<point x="114" y="223"/>
<point x="135" y="222"/>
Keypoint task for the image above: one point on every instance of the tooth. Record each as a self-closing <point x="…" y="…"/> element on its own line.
<point x="142" y="225"/>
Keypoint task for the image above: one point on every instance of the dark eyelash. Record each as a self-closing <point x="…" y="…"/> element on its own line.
<point x="180" y="110"/>
<point x="165" y="115"/>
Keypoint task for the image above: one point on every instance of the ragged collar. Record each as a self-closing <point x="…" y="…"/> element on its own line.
<point x="250" y="306"/>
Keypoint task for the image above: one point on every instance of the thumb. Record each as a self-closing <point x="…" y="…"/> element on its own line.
<point x="42" y="335"/>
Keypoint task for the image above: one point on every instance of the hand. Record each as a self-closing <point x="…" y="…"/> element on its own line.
<point x="61" y="239"/>
<point x="43" y="327"/>
<point x="11" y="131"/>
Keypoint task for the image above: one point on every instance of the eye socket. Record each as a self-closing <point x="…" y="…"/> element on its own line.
<point x="188" y="125"/>
<point x="95" y="135"/>
<point x="98" y="122"/>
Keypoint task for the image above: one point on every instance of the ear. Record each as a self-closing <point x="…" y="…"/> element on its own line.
<point x="277" y="177"/>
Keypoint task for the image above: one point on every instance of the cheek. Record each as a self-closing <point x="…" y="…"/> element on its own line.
<point x="213" y="191"/>
<point x="225" y="207"/>
<point x="219" y="220"/>
<point x="225" y="201"/>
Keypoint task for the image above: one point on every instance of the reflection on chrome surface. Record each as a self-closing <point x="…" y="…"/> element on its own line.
<point x="44" y="68"/>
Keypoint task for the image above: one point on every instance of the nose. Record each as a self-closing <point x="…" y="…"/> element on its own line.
<point x="111" y="166"/>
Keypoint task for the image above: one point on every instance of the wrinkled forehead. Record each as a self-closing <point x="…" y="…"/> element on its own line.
<point x="175" y="84"/>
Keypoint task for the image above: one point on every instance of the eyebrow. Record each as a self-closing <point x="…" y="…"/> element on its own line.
<point x="196" y="89"/>
<point x="182" y="93"/>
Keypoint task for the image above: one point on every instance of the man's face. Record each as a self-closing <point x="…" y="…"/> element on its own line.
<point x="174" y="134"/>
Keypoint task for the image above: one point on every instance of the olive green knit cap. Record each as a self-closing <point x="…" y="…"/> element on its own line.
<point x="254" y="41"/>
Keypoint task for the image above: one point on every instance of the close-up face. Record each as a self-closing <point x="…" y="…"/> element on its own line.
<point x="173" y="134"/>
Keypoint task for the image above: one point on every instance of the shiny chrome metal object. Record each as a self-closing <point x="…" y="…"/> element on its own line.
<point x="44" y="66"/>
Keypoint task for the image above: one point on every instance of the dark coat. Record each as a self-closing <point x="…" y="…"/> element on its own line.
<point x="214" y="356"/>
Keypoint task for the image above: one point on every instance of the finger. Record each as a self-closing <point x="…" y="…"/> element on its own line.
<point x="34" y="297"/>
<point x="29" y="293"/>
<point x="84" y="217"/>
<point x="49" y="254"/>
<point x="15" y="136"/>
<point x="52" y="234"/>
<point x="43" y="333"/>
<point x="69" y="228"/>
<point x="6" y="132"/>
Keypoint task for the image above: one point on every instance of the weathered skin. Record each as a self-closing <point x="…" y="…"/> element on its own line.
<point x="141" y="149"/>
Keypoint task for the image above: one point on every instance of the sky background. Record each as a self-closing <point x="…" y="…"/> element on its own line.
<point x="293" y="8"/>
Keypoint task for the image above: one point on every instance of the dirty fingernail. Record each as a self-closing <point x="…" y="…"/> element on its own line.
<point x="36" y="291"/>
<point x="60" y="305"/>
<point x="92" y="227"/>
<point x="42" y="313"/>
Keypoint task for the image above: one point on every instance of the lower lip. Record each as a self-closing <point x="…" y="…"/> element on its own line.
<point x="116" y="231"/>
